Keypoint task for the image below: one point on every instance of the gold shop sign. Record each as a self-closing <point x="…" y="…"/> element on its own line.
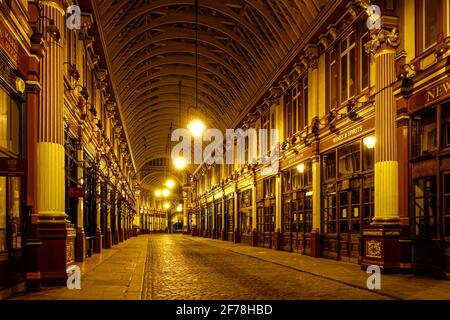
<point x="430" y="96"/>
<point x="440" y="91"/>
<point x="8" y="44"/>
<point x="345" y="135"/>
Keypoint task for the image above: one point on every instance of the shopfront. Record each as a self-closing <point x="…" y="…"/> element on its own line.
<point x="429" y="201"/>
<point x="12" y="177"/>
<point x="244" y="223"/>
<point x="217" y="218"/>
<point x="265" y="212"/>
<point x="229" y="217"/>
<point x="297" y="208"/>
<point x="347" y="193"/>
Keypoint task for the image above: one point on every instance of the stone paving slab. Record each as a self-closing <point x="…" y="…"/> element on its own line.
<point x="115" y="274"/>
<point x="396" y="286"/>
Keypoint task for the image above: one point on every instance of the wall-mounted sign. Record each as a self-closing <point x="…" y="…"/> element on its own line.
<point x="347" y="134"/>
<point x="432" y="95"/>
<point x="12" y="167"/>
<point x="437" y="92"/>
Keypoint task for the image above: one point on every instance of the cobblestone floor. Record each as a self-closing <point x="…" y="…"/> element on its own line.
<point x="165" y="267"/>
<point x="181" y="268"/>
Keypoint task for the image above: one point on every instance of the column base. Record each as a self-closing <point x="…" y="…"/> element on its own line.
<point x="254" y="238"/>
<point x="314" y="242"/>
<point x="381" y="247"/>
<point x="135" y="231"/>
<point x="80" y="245"/>
<point x="116" y="237"/>
<point x="194" y="232"/>
<point x="53" y="253"/>
<point x="121" y="235"/>
<point x="276" y="240"/>
<point x="32" y="254"/>
<point x="108" y="239"/>
<point x="98" y="241"/>
<point x="236" y="237"/>
<point x="222" y="234"/>
<point x="125" y="234"/>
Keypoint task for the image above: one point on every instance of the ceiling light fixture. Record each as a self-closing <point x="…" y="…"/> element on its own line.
<point x="196" y="126"/>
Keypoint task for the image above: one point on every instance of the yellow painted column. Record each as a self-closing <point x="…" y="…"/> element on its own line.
<point x="254" y="228"/>
<point x="235" y="214"/>
<point x="386" y="164"/>
<point x="80" y="238"/>
<point x="186" y="205"/>
<point x="108" y="235"/>
<point x="50" y="161"/>
<point x="80" y="206"/>
<point x="222" y="232"/>
<point x="50" y="147"/>
<point x="278" y="209"/>
<point x="98" y="231"/>
<point x="316" y="197"/>
<point x="381" y="238"/>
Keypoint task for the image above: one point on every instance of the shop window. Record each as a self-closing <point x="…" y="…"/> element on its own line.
<point x="329" y="165"/>
<point x="349" y="159"/>
<point x="269" y="188"/>
<point x="423" y="132"/>
<point x="71" y="174"/>
<point x="269" y="219"/>
<point x="307" y="214"/>
<point x="287" y="185"/>
<point x="424" y="212"/>
<point x="9" y="123"/>
<point x="14" y="213"/>
<point x="348" y="67"/>
<point x="3" y="245"/>
<point x="330" y="210"/>
<point x="368" y="158"/>
<point x="446" y="123"/>
<point x="447" y="203"/>
<point x="368" y="200"/>
<point x="287" y="216"/>
<point x="343" y="208"/>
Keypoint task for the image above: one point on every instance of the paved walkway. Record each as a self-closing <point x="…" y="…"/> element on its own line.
<point x="184" y="267"/>
<point x="115" y="274"/>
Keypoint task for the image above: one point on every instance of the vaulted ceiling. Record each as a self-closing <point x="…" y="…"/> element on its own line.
<point x="151" y="48"/>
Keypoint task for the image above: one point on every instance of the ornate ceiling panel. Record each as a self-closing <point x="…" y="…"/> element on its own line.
<point x="152" y="44"/>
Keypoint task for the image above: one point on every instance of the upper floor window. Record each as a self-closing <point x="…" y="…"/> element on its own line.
<point x="348" y="70"/>
<point x="430" y="16"/>
<point x="431" y="22"/>
<point x="296" y="107"/>
<point x="348" y="67"/>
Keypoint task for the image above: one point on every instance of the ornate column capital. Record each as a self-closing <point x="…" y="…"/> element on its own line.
<point x="380" y="37"/>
